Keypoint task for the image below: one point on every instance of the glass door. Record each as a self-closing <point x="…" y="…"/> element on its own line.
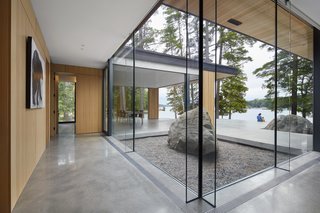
<point x="207" y="98"/>
<point x="286" y="87"/>
<point x="123" y="96"/>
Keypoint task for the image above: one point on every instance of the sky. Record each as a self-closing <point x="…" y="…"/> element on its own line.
<point x="259" y="57"/>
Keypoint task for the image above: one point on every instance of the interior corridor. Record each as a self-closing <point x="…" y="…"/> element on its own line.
<point x="86" y="174"/>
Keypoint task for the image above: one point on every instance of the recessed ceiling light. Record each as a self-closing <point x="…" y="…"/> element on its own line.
<point x="234" y="22"/>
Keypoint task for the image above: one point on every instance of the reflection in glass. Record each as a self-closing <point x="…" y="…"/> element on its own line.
<point x="123" y="111"/>
<point x="250" y="94"/>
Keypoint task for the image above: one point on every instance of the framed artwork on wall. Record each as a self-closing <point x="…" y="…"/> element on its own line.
<point x="35" y="76"/>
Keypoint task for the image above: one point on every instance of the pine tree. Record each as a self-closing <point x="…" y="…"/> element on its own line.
<point x="295" y="82"/>
<point x="175" y="99"/>
<point x="172" y="36"/>
<point x="146" y="36"/>
<point x="232" y="90"/>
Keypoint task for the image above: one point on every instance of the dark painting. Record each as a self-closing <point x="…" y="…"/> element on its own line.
<point x="35" y="91"/>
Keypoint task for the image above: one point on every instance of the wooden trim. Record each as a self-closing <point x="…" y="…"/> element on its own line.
<point x="153" y="103"/>
<point x="48" y="105"/>
<point x="208" y="93"/>
<point x="5" y="106"/>
<point x="76" y="70"/>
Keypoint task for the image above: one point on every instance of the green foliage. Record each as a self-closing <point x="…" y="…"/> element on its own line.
<point x="233" y="89"/>
<point x="145" y="99"/>
<point x="295" y="83"/>
<point x="232" y="95"/>
<point x="172" y="33"/>
<point x="146" y="36"/>
<point x="259" y="103"/>
<point x="175" y="99"/>
<point x="66" y="101"/>
<point x="193" y="95"/>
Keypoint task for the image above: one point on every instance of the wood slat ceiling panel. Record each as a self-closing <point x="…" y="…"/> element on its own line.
<point x="258" y="21"/>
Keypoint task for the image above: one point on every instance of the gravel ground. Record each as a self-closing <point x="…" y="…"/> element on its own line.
<point x="234" y="161"/>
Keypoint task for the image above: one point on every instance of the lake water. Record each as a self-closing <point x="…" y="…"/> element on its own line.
<point x="250" y="115"/>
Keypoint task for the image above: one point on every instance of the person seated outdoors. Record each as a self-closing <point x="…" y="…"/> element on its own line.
<point x="260" y="118"/>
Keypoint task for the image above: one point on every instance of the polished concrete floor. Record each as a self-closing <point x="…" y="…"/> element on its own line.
<point x="66" y="128"/>
<point x="86" y="174"/>
<point x="299" y="194"/>
<point x="89" y="174"/>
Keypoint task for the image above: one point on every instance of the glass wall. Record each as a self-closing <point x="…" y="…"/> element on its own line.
<point x="213" y="100"/>
<point x="245" y="146"/>
<point x="123" y="96"/>
<point x="105" y="99"/>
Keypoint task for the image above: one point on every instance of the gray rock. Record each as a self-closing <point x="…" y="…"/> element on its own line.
<point x="292" y="123"/>
<point x="177" y="133"/>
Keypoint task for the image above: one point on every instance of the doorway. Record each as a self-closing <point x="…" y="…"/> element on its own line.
<point x="66" y="105"/>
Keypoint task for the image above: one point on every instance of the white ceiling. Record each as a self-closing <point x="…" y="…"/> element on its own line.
<point x="309" y="7"/>
<point x="100" y="25"/>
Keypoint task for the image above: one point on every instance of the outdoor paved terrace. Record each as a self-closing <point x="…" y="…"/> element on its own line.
<point x="250" y="133"/>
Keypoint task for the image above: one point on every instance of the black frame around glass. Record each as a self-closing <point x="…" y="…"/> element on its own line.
<point x="316" y="98"/>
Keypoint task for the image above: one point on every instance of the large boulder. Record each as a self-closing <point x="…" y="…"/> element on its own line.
<point x="177" y="133"/>
<point x="292" y="123"/>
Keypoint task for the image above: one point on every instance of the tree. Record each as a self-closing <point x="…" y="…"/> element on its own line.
<point x="294" y="79"/>
<point x="66" y="100"/>
<point x="146" y="36"/>
<point x="172" y="36"/>
<point x="232" y="90"/>
<point x="175" y="99"/>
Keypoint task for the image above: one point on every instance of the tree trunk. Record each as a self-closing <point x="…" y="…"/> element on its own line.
<point x="218" y="99"/>
<point x="230" y="115"/>
<point x="294" y="90"/>
<point x="180" y="37"/>
<point x="192" y="95"/>
<point x="220" y="46"/>
<point x="304" y="113"/>
<point x="206" y="41"/>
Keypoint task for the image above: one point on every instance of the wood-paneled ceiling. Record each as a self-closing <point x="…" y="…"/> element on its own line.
<point x="258" y="21"/>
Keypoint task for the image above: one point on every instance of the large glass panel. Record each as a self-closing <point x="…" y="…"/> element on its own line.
<point x="105" y="99"/>
<point x="160" y="78"/>
<point x="294" y="87"/>
<point x="209" y="76"/>
<point x="123" y="111"/>
<point x="286" y="99"/>
<point x="245" y="88"/>
<point x="192" y="100"/>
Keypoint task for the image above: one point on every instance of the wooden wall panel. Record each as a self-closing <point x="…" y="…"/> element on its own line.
<point x="5" y="59"/>
<point x="29" y="132"/>
<point x="153" y="103"/>
<point x="88" y="96"/>
<point x="88" y="104"/>
<point x="208" y="93"/>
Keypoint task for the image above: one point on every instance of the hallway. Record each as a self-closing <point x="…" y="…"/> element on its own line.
<point x="86" y="174"/>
